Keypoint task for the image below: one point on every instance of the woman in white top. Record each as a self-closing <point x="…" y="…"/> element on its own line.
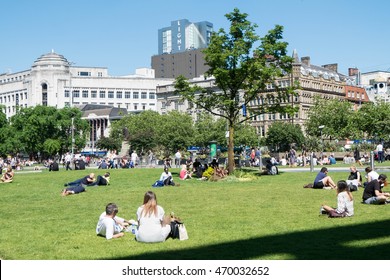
<point x="344" y="202"/>
<point x="153" y="226"/>
<point x="371" y="175"/>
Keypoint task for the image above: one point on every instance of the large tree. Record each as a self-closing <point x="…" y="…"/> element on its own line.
<point x="281" y="135"/>
<point x="241" y="71"/>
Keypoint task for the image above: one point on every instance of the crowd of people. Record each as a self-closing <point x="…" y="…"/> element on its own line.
<point x="372" y="190"/>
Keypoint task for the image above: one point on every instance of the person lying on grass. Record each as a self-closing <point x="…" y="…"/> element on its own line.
<point x="74" y="189"/>
<point x="344" y="202"/>
<point x="101" y="180"/>
<point x="85" y="181"/>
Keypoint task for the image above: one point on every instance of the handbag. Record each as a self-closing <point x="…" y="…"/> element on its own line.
<point x="183" y="235"/>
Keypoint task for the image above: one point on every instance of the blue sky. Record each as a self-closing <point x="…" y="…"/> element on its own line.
<point x="122" y="34"/>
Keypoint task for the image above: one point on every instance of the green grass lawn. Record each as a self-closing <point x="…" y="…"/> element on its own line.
<point x="263" y="217"/>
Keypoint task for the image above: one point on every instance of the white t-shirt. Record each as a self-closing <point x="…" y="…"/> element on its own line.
<point x="344" y="204"/>
<point x="107" y="226"/>
<point x="150" y="228"/>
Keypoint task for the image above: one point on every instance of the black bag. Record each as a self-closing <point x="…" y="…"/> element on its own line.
<point x="352" y="187"/>
<point x="174" y="234"/>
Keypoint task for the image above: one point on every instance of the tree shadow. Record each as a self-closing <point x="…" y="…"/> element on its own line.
<point x="302" y="245"/>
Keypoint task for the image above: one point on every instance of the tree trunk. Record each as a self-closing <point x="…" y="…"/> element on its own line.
<point x="231" y="150"/>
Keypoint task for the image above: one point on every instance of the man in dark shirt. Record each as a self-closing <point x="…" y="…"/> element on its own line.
<point x="373" y="191"/>
<point x="322" y="180"/>
<point x="85" y="181"/>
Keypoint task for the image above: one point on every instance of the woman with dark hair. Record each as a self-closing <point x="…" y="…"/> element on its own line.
<point x="344" y="202"/>
<point x="153" y="225"/>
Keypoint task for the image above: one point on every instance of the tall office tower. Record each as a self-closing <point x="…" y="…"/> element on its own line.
<point x="183" y="35"/>
<point x="180" y="49"/>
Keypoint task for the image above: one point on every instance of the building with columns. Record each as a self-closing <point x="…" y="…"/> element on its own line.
<point x="53" y="81"/>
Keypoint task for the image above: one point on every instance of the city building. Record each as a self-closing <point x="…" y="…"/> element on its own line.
<point x="53" y="81"/>
<point x="376" y="84"/>
<point x="315" y="82"/>
<point x="183" y="35"/>
<point x="180" y="49"/>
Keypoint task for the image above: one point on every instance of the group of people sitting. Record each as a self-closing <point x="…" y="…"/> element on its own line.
<point x="372" y="194"/>
<point x="78" y="186"/>
<point x="152" y="224"/>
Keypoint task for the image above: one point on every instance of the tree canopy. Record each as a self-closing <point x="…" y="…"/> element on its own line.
<point x="241" y="70"/>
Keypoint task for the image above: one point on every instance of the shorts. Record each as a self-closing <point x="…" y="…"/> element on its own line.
<point x="319" y="185"/>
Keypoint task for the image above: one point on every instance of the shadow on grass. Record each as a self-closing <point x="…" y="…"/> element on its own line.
<point x="324" y="244"/>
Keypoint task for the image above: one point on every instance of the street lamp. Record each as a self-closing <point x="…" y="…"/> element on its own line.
<point x="321" y="127"/>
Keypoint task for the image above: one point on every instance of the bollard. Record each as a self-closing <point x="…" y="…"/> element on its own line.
<point x="372" y="160"/>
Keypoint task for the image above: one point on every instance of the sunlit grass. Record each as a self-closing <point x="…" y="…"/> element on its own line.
<point x="251" y="217"/>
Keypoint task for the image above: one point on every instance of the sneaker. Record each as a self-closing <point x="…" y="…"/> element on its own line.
<point x="327" y="188"/>
<point x="322" y="211"/>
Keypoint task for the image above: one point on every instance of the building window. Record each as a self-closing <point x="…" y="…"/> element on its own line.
<point x="66" y="93"/>
<point x="144" y="95"/>
<point x="152" y="95"/>
<point x="100" y="74"/>
<point x="85" y="93"/>
<point x="76" y="93"/>
<point x="93" y="93"/>
<point x="135" y="94"/>
<point x="119" y="94"/>
<point x="143" y="106"/>
<point x="102" y="94"/>
<point x="136" y="106"/>
<point x="84" y="74"/>
<point x="110" y="94"/>
<point x="127" y="95"/>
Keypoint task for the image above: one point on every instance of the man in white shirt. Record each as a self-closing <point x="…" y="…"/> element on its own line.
<point x="109" y="225"/>
<point x="177" y="158"/>
<point x="379" y="149"/>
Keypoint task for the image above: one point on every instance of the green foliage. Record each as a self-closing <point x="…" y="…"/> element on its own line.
<point x="335" y="115"/>
<point x="282" y="135"/>
<point x="51" y="146"/>
<point x="373" y="119"/>
<point x="176" y="131"/>
<point x="30" y="128"/>
<point x="108" y="143"/>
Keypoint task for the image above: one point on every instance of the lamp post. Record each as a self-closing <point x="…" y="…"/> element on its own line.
<point x="321" y="127"/>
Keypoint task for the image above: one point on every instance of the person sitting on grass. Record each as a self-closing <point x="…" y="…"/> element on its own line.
<point x="166" y="177"/>
<point x="371" y="175"/>
<point x="8" y="176"/>
<point x="344" y="202"/>
<point x="185" y="173"/>
<point x="153" y="224"/>
<point x="354" y="179"/>
<point x="323" y="181"/>
<point x="373" y="191"/>
<point x="110" y="225"/>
